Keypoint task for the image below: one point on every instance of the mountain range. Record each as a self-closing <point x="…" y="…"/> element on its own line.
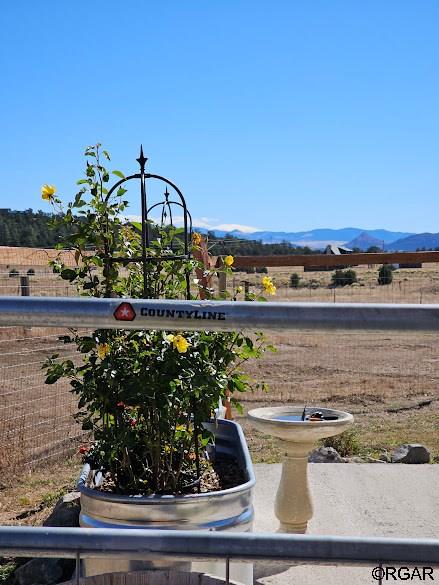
<point x="351" y="237"/>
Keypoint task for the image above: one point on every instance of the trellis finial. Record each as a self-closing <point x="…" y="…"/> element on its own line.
<point x="142" y="160"/>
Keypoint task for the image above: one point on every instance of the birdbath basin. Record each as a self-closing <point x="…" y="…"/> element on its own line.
<point x="297" y="430"/>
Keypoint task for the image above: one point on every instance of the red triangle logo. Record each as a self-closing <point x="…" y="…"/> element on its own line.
<point x="124" y="312"/>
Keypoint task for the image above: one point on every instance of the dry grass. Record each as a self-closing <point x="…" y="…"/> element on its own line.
<point x="388" y="380"/>
<point x="28" y="498"/>
<point x="408" y="286"/>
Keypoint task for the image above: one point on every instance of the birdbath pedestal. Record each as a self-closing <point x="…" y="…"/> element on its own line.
<point x="297" y="432"/>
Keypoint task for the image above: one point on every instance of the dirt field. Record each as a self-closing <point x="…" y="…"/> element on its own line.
<point x="388" y="380"/>
<point x="408" y="285"/>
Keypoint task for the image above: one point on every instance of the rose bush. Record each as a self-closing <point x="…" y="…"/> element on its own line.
<point x="143" y="394"/>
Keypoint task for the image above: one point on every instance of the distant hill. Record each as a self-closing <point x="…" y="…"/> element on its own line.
<point x="364" y="241"/>
<point x="415" y="242"/>
<point x="318" y="238"/>
<point x="31" y="228"/>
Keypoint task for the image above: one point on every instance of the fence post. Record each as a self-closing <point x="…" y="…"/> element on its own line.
<point x="222" y="283"/>
<point x="24" y="286"/>
<point x="246" y="289"/>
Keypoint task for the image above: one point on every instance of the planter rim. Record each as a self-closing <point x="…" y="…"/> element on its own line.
<point x="171" y="499"/>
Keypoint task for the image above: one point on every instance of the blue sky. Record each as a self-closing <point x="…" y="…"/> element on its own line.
<point x="276" y="115"/>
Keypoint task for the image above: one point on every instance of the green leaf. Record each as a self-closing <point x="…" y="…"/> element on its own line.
<point x="237" y="405"/>
<point x="68" y="274"/>
<point x="79" y="202"/>
<point x="118" y="174"/>
<point x="87" y="344"/>
<point x="121" y="191"/>
<point x="238" y="384"/>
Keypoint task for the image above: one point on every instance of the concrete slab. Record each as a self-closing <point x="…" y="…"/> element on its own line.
<point x="353" y="500"/>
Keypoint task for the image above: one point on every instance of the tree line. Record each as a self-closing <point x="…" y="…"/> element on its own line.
<point x="32" y="229"/>
<point x="27" y="228"/>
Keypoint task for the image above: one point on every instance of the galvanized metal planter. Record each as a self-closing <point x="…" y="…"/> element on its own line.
<point x="229" y="509"/>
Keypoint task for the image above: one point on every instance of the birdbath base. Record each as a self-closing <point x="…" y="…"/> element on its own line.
<point x="297" y="438"/>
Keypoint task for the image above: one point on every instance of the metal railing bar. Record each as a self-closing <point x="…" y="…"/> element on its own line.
<point x="216" y="315"/>
<point x="197" y="544"/>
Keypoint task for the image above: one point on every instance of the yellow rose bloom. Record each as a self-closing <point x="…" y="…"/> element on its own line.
<point x="103" y="350"/>
<point x="47" y="192"/>
<point x="268" y="285"/>
<point x="196" y="239"/>
<point x="179" y="342"/>
<point x="228" y="260"/>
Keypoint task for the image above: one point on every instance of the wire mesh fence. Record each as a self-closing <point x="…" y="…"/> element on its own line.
<point x="36" y="420"/>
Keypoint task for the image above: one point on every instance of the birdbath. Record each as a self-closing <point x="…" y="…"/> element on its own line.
<point x="297" y="430"/>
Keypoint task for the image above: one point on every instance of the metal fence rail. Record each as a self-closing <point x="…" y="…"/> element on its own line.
<point x="214" y="315"/>
<point x="199" y="545"/>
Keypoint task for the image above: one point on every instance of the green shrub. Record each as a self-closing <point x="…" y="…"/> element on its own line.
<point x="6" y="571"/>
<point x="385" y="274"/>
<point x="344" y="277"/>
<point x="347" y="444"/>
<point x="313" y="283"/>
<point x="294" y="280"/>
<point x="144" y="394"/>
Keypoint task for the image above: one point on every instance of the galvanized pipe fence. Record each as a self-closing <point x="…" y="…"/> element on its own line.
<point x="82" y="543"/>
<point x="213" y="315"/>
<point x="199" y="545"/>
